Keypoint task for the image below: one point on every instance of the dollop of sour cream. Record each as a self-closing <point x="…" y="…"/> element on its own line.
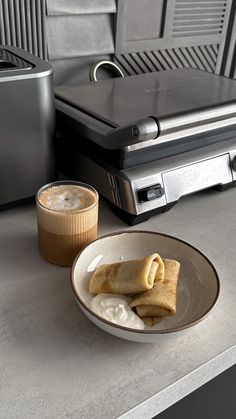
<point x="115" y="308"/>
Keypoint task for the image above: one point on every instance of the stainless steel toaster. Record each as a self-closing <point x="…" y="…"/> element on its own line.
<point x="27" y="125"/>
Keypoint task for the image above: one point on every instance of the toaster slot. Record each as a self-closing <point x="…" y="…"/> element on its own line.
<point x="12" y="62"/>
<point x="6" y="65"/>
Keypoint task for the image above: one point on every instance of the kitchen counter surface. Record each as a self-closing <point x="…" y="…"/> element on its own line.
<point x="55" y="363"/>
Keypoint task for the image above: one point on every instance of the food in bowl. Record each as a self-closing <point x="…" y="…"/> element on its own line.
<point x="127" y="277"/>
<point x="151" y="282"/>
<point x="160" y="301"/>
<point x="115" y="308"/>
<point x="198" y="286"/>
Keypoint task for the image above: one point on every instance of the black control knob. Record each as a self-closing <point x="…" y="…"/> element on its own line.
<point x="150" y="192"/>
<point x="234" y="163"/>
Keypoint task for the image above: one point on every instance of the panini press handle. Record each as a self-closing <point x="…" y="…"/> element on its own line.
<point x="104" y="63"/>
<point x="143" y="130"/>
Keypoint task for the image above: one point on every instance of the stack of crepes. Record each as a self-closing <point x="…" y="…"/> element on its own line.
<point x="152" y="282"/>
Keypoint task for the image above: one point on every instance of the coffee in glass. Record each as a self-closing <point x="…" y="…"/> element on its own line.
<point x="67" y="215"/>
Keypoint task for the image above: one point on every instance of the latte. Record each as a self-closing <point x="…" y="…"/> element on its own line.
<point x="67" y="198"/>
<point x="67" y="215"/>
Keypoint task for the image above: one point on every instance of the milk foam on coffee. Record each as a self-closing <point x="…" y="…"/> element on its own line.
<point x="67" y="198"/>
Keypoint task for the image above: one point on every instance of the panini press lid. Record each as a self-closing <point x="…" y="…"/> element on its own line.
<point x="121" y="101"/>
<point x="182" y="109"/>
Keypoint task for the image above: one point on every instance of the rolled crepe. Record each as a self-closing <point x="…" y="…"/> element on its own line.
<point x="160" y="301"/>
<point x="127" y="277"/>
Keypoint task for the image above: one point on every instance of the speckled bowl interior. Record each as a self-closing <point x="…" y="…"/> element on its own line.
<point x="198" y="285"/>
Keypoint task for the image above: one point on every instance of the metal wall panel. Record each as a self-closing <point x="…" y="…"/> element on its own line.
<point x="200" y="34"/>
<point x="22" y="24"/>
<point x="203" y="57"/>
<point x="56" y="29"/>
<point x="72" y="7"/>
<point x="226" y="61"/>
<point x="79" y="35"/>
<point x="164" y="24"/>
<point x="198" y="18"/>
<point x="151" y="35"/>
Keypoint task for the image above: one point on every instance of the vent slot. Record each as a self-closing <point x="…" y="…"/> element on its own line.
<point x="198" y="18"/>
<point x="114" y="190"/>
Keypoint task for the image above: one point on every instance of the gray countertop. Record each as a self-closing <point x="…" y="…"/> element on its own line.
<point x="55" y="363"/>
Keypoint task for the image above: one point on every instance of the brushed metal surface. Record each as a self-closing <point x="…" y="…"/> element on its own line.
<point x="195" y="177"/>
<point x="27" y="120"/>
<point x="183" y="132"/>
<point x="179" y="175"/>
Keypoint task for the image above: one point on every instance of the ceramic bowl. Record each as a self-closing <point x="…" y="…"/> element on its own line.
<point x="197" y="291"/>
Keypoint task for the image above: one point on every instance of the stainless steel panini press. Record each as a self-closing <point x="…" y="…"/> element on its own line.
<point x="145" y="141"/>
